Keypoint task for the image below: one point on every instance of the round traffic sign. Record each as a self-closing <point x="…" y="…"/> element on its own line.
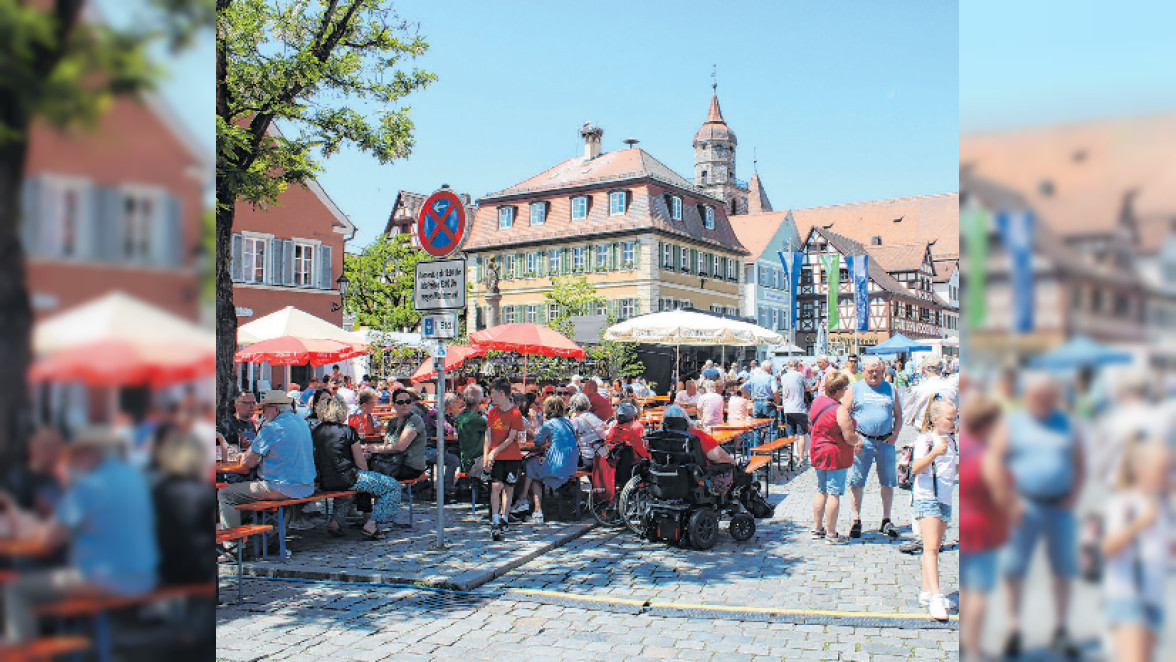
<point x="441" y="225"/>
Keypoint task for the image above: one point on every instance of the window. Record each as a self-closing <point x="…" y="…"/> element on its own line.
<point x="763" y="276"/>
<point x="717" y="271"/>
<point x="538" y="213"/>
<point x="553" y="261"/>
<point x="505" y="218"/>
<point x="533" y="263"/>
<point x="254" y="259"/>
<point x="578" y="258"/>
<point x="602" y="257"/>
<point x="910" y="311"/>
<point x="762" y="317"/>
<point x="626" y="308"/>
<point x="684" y="259"/>
<point x="716" y="309"/>
<point x="601" y="308"/>
<point x="509" y="314"/>
<point x="552" y="311"/>
<point x="664" y="304"/>
<point x="667" y="256"/>
<point x="141" y="215"/>
<point x="579" y="208"/>
<point x="676" y="208"/>
<point x="304" y="265"/>
<point x="616" y="203"/>
<point x="532" y="314"/>
<point x="509" y="272"/>
<point x="708" y="217"/>
<point x="628" y="252"/>
<point x="731" y="275"/>
<point x="702" y="264"/>
<point x="702" y="178"/>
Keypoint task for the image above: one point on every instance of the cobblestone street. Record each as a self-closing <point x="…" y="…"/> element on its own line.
<point x="608" y="595"/>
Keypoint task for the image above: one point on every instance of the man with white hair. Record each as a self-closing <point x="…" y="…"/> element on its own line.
<point x="824" y="369"/>
<point x="933" y="384"/>
<point x="792" y="407"/>
<point x="709" y="371"/>
<point x="871" y="419"/>
<point x="763" y="391"/>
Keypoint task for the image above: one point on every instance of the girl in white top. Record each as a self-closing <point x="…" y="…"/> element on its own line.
<point x="1135" y="546"/>
<point x="934" y="467"/>
<point x="710" y="406"/>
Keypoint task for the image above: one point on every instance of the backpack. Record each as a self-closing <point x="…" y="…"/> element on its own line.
<point x="906" y="474"/>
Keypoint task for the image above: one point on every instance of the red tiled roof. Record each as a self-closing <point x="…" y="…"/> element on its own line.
<point x="610" y="166"/>
<point x="756" y="230"/>
<point x="757" y="197"/>
<point x="899" y="257"/>
<point x="924" y="218"/>
<point x="847" y="246"/>
<point x="1077" y="177"/>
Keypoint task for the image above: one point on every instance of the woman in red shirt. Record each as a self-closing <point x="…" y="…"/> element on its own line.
<point x="831" y="457"/>
<point x="986" y="502"/>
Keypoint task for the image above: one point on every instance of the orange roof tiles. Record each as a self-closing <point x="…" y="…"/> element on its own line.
<point x="610" y="166"/>
<point x="757" y="197"/>
<point x="715" y="128"/>
<point x="755" y="231"/>
<point x="1077" y="177"/>
<point x="899" y="257"/>
<point x="924" y="218"/>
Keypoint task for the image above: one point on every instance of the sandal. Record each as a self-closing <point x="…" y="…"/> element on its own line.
<point x="373" y="535"/>
<point x="817" y="534"/>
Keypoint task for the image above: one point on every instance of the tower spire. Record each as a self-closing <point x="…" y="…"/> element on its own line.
<point x="715" y="79"/>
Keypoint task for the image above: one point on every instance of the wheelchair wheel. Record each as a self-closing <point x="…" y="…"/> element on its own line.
<point x="704" y="528"/>
<point x="742" y="526"/>
<point x="632" y="503"/>
<point x="605" y="512"/>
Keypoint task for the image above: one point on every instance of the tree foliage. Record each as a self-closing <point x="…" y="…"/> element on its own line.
<point x="333" y="70"/>
<point x="380" y="294"/>
<point x="574" y="296"/>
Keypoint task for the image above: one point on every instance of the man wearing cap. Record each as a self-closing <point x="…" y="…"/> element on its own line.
<point x="931" y="386"/>
<point x="284" y="454"/>
<point x="108" y="519"/>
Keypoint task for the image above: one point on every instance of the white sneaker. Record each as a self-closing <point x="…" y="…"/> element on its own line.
<point x="938" y="607"/>
<point x="520" y="508"/>
<point x="301" y="524"/>
<point x="925" y="600"/>
<point x="537" y="520"/>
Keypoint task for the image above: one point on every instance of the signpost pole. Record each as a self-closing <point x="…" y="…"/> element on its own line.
<point x="439" y="488"/>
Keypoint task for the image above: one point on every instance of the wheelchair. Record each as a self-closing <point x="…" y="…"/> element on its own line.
<point x="678" y="498"/>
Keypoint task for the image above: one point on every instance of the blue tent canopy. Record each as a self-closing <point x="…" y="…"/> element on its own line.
<point x="1080" y="352"/>
<point x="898" y="344"/>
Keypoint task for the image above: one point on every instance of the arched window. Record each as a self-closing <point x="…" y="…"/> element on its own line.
<point x="702" y="178"/>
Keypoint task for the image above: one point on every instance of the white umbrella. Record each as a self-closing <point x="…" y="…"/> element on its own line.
<point x="117" y="316"/>
<point x="291" y="321"/>
<point x="687" y="327"/>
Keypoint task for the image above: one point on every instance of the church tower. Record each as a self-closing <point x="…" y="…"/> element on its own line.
<point x="714" y="159"/>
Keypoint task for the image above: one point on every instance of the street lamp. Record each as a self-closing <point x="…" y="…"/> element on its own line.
<point x="343" y="284"/>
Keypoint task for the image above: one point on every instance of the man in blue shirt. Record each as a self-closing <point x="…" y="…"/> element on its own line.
<point x="108" y="519"/>
<point x="285" y="453"/>
<point x="870" y="419"/>
<point x="709" y="371"/>
<point x="763" y="392"/>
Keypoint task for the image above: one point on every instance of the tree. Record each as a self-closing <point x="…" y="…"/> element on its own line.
<point x="573" y="296"/>
<point x="312" y="64"/>
<point x="380" y="294"/>
<point x="60" y="70"/>
<point x="620" y="357"/>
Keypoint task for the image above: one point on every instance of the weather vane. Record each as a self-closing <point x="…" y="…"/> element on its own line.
<point x="715" y="78"/>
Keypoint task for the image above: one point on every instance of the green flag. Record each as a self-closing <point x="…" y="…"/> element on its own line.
<point x="975" y="224"/>
<point x="833" y="271"/>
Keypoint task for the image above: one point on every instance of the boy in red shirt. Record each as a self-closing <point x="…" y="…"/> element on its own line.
<point x="503" y="458"/>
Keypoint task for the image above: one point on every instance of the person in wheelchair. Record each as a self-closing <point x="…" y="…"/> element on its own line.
<point x="676" y="419"/>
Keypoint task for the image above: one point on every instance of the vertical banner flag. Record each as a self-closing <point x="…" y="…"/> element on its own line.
<point x="1016" y="230"/>
<point x="792" y="262"/>
<point x="833" y="276"/>
<point x="975" y="223"/>
<point x="859" y="270"/>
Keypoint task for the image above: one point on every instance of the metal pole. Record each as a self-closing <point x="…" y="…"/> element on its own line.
<point x="440" y="487"/>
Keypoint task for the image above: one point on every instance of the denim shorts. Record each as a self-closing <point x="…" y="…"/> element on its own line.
<point x="831" y="481"/>
<point x="1058" y="526"/>
<point x="875" y="452"/>
<point x="1133" y="612"/>
<point x="978" y="571"/>
<point x="932" y="508"/>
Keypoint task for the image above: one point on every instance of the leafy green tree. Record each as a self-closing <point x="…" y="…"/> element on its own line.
<point x="61" y="70"/>
<point x="574" y="296"/>
<point x="314" y="64"/>
<point x="380" y="294"/>
<point x="620" y="357"/>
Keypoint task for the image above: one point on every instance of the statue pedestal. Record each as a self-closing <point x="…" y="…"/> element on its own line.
<point x="492" y="301"/>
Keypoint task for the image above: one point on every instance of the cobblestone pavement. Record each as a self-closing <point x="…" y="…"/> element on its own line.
<point x="609" y="580"/>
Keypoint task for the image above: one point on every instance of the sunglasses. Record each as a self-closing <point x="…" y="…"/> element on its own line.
<point x="402" y="402"/>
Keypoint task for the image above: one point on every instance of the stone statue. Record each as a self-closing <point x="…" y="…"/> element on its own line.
<point x="492" y="277"/>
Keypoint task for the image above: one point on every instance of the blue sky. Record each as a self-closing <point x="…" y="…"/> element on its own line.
<point x="1027" y="63"/>
<point x="841" y="104"/>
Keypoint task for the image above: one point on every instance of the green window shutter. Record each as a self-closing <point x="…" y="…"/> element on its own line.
<point x="541" y="263"/>
<point x="478" y="267"/>
<point x="613" y="259"/>
<point x="693" y="260"/>
<point x="521" y="264"/>
<point x="724" y="267"/>
<point x="565" y="261"/>
<point x="636" y="306"/>
<point x="541" y="313"/>
<point x="677" y="254"/>
<point x="660" y="250"/>
<point x="614" y="307"/>
<point x="636" y="253"/>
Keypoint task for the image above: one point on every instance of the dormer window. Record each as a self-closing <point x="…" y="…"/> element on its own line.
<point x="505" y="218"/>
<point x="579" y="208"/>
<point x="708" y="217"/>
<point x="538" y="213"/>
<point x="676" y="208"/>
<point x="616" y="203"/>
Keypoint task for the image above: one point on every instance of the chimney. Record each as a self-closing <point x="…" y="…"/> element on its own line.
<point x="591" y="136"/>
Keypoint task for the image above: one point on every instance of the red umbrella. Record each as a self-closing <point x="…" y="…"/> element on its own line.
<point x="454" y="357"/>
<point x="126" y="363"/>
<point x="290" y="350"/>
<point x="527" y="338"/>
